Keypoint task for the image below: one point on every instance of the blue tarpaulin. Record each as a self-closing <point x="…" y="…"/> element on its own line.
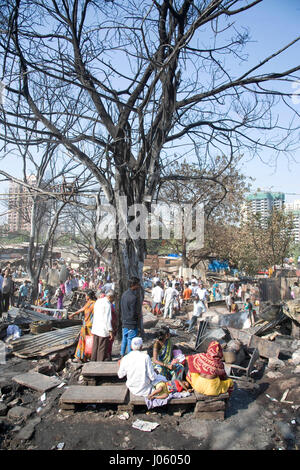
<point x="217" y="265"/>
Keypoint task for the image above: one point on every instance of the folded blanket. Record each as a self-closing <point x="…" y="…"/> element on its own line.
<point x="163" y="401"/>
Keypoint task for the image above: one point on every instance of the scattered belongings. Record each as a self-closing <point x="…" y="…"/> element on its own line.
<point x="77" y="301"/>
<point x="36" y="381"/>
<point x="13" y="332"/>
<point x="140" y="401"/>
<point x="204" y="406"/>
<point x="291" y="308"/>
<point x="233" y="352"/>
<point x="265" y="348"/>
<point x="45" y="343"/>
<point x="25" y="316"/>
<point x="230" y="367"/>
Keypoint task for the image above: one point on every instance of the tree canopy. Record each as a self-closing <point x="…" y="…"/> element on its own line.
<point x="121" y="86"/>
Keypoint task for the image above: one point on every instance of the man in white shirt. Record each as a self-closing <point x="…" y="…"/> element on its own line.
<point x="102" y="327"/>
<point x="199" y="306"/>
<point x="157" y="297"/>
<point x="194" y="287"/>
<point x="138" y="368"/>
<point x="169" y="298"/>
<point x="202" y="295"/>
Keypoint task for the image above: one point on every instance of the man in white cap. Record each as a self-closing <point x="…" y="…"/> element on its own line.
<point x="138" y="368"/>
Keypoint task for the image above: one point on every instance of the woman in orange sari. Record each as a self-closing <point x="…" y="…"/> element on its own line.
<point x="207" y="373"/>
<point x="88" y="309"/>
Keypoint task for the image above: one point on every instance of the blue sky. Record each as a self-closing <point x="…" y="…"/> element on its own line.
<point x="272" y="24"/>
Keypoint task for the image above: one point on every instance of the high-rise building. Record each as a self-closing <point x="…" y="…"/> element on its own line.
<point x="19" y="206"/>
<point x="262" y="203"/>
<point x="294" y="209"/>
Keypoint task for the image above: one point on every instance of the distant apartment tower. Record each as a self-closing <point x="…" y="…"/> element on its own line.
<point x="262" y="203"/>
<point x="294" y="209"/>
<point x="19" y="206"/>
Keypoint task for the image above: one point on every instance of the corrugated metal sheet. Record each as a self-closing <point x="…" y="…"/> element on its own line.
<point x="45" y="343"/>
<point x="26" y="316"/>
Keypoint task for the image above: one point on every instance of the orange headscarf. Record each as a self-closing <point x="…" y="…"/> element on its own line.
<point x="209" y="363"/>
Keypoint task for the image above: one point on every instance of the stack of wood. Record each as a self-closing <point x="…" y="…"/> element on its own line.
<point x="208" y="407"/>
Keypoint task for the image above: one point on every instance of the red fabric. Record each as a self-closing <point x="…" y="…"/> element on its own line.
<point x="88" y="345"/>
<point x="178" y="386"/>
<point x="209" y="363"/>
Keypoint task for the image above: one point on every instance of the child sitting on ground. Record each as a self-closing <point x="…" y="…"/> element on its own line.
<point x="163" y="389"/>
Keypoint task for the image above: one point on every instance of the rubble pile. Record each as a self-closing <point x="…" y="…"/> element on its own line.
<point x="264" y="361"/>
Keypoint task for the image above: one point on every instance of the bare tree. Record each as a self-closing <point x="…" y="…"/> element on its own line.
<point x="121" y="86"/>
<point x="44" y="202"/>
<point x="85" y="237"/>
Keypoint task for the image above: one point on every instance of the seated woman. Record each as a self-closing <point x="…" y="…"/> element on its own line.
<point x="207" y="373"/>
<point x="163" y="389"/>
<point x="162" y="357"/>
<point x="88" y="309"/>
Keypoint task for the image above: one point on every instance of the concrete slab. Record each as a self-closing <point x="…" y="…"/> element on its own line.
<point x="36" y="381"/>
<point x="100" y="369"/>
<point x="109" y="394"/>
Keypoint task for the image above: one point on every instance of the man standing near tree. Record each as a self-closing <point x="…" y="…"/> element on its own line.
<point x="130" y="313"/>
<point x="102" y="327"/>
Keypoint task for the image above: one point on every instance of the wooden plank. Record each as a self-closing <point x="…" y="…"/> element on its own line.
<point x="37" y="381"/>
<point x="110" y="394"/>
<point x="100" y="369"/>
<point x="209" y="398"/>
<point x="135" y="400"/>
<point x="191" y="400"/>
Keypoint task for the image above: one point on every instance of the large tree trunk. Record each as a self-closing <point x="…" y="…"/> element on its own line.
<point x="129" y="252"/>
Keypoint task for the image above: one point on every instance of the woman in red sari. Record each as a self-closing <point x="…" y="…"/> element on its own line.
<point x="207" y="373"/>
<point x="88" y="309"/>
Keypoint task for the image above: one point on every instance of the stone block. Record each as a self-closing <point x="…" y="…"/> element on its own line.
<point x="207" y="415"/>
<point x="19" y="412"/>
<point x="210" y="406"/>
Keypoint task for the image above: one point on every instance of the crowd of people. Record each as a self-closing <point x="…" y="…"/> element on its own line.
<point x="168" y="369"/>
